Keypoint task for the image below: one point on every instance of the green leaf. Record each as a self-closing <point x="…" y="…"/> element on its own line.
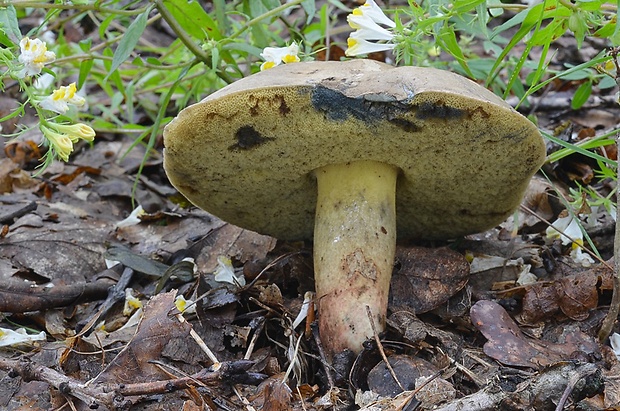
<point x="85" y="45"/>
<point x="530" y="17"/>
<point x="576" y="149"/>
<point x="464" y="6"/>
<point x="615" y="38"/>
<point x="9" y="25"/>
<point x="112" y="75"/>
<point x="129" y="41"/>
<point x="309" y="7"/>
<point x="581" y="95"/>
<point x="193" y="18"/>
<point x="450" y="43"/>
<point x="19" y="111"/>
<point x="219" y="6"/>
<point x="85" y="67"/>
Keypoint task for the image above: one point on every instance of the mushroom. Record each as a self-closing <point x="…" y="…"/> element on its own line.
<point x="353" y="155"/>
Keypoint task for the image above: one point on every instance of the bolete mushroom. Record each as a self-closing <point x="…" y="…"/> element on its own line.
<point x="353" y="154"/>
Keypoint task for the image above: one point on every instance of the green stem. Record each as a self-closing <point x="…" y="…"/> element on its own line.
<point x="270" y="13"/>
<point x="188" y="41"/>
<point x="80" y="7"/>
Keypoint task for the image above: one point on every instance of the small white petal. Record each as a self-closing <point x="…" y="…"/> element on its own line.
<point x="372" y="10"/>
<point x="361" y="46"/>
<point x="19" y="336"/>
<point x="132" y="219"/>
<point x="185" y="306"/>
<point x="564" y="228"/>
<point x="580" y="257"/>
<point x="614" y="341"/>
<point x="303" y="312"/>
<point x="225" y="272"/>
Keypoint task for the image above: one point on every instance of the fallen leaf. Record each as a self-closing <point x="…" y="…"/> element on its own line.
<point x="508" y="345"/>
<point x="426" y="277"/>
<point x="574" y="295"/>
<point x="155" y="331"/>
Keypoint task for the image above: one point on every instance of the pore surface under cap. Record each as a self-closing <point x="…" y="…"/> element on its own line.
<point x="247" y="152"/>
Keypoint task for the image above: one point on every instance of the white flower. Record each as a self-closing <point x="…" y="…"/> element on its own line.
<point x="10" y="337"/>
<point x="357" y="46"/>
<point x="60" y="99"/>
<point x="132" y="219"/>
<point x="567" y="228"/>
<point x="274" y="56"/>
<point x="225" y="272"/>
<point x="367" y="28"/>
<point x="373" y="11"/>
<point x="61" y="137"/>
<point x="33" y="56"/>
<point x="579" y="256"/>
<point x="303" y="312"/>
<point x="366" y="21"/>
<point x="60" y="143"/>
<point x="131" y="303"/>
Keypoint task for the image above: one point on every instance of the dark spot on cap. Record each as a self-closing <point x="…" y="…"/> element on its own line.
<point x="284" y="109"/>
<point x="338" y="107"/>
<point x="440" y="111"/>
<point x="248" y="138"/>
<point x="405" y="125"/>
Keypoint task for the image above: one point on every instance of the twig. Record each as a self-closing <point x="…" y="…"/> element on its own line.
<point x="19" y="297"/>
<point x="113" y="395"/>
<point x="319" y="345"/>
<point x="201" y="344"/>
<point x="115" y="293"/>
<point x="572" y="381"/>
<point x="614" y="308"/>
<point x="380" y="347"/>
<point x="8" y="217"/>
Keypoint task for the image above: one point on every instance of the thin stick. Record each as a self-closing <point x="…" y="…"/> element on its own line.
<point x="319" y="345"/>
<point x="380" y="347"/>
<point x="614" y="308"/>
<point x="201" y="344"/>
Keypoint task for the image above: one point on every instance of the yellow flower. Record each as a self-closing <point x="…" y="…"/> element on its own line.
<point x="60" y="143"/>
<point x="33" y="56"/>
<point x="76" y="131"/>
<point x="60" y="99"/>
<point x="274" y="56"/>
<point x="131" y="303"/>
<point x="184" y="306"/>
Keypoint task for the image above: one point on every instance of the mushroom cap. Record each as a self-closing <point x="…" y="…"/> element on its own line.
<point x="247" y="152"/>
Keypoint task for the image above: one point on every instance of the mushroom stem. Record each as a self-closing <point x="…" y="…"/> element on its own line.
<point x="354" y="244"/>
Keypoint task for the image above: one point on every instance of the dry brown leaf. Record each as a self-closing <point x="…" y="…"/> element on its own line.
<point x="508" y="345"/>
<point x="155" y="331"/>
<point x="574" y="295"/>
<point x="427" y="277"/>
